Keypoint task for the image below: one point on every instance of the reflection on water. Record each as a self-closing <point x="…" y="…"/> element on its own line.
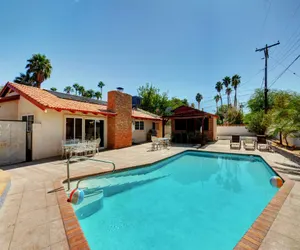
<point x="194" y="170"/>
<point x="228" y="176"/>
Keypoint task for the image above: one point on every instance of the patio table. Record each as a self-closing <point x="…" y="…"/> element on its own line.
<point x="164" y="141"/>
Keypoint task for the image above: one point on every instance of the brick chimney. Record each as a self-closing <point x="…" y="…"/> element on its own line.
<point x="119" y="127"/>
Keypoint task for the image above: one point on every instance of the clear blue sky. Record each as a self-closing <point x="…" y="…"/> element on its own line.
<point x="182" y="47"/>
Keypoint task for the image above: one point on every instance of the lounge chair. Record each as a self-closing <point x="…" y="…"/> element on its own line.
<point x="249" y="144"/>
<point x="235" y="142"/>
<point x="262" y="143"/>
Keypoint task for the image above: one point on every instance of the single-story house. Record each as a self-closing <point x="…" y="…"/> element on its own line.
<point x="54" y="117"/>
<point x="190" y="125"/>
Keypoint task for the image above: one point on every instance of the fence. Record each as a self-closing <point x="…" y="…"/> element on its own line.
<point x="225" y="132"/>
<point x="12" y="142"/>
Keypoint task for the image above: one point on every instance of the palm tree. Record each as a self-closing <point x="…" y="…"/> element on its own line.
<point x="68" y="89"/>
<point x="217" y="98"/>
<point x="228" y="93"/>
<point x="39" y="67"/>
<point x="98" y="95"/>
<point x="89" y="93"/>
<point x="76" y="86"/>
<point x="226" y="81"/>
<point x="101" y="85"/>
<point x="235" y="82"/>
<point x="199" y="98"/>
<point x="81" y="90"/>
<point x="219" y="87"/>
<point x="24" y="79"/>
<point x="53" y="89"/>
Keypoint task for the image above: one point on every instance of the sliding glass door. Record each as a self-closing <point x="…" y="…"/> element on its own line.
<point x="73" y="128"/>
<point x="85" y="129"/>
<point x="94" y="129"/>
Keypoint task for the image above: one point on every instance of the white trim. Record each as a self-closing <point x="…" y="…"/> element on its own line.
<point x="139" y="121"/>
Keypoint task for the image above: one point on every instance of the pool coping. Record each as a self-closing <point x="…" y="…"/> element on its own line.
<point x="252" y="239"/>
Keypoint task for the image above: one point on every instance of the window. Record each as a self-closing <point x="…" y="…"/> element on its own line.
<point x="206" y="124"/>
<point x="180" y="124"/>
<point x="139" y="125"/>
<point x="153" y="125"/>
<point x="73" y="128"/>
<point x="29" y="119"/>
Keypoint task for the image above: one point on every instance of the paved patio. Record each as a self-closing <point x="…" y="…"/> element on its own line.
<point x="30" y="217"/>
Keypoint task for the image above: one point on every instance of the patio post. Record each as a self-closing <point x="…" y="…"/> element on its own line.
<point x="163" y="128"/>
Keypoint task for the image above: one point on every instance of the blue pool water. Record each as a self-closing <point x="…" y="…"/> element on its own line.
<point x="195" y="200"/>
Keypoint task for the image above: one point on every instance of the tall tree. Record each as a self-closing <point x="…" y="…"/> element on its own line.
<point x="68" y="89"/>
<point x="219" y="87"/>
<point x="53" y="89"/>
<point x="236" y="80"/>
<point x="98" y="95"/>
<point x="76" y="86"/>
<point x="228" y="93"/>
<point x="199" y="98"/>
<point x="39" y="67"/>
<point x="226" y="81"/>
<point x="81" y="90"/>
<point x="156" y="102"/>
<point x="24" y="79"/>
<point x="217" y="98"/>
<point x="101" y="85"/>
<point x="89" y="93"/>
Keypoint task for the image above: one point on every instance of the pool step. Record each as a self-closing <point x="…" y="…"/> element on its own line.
<point x="114" y="185"/>
<point x="92" y="203"/>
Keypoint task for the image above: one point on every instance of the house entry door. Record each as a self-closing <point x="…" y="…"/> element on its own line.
<point x="29" y="119"/>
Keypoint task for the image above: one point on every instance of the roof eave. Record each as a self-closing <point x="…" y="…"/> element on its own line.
<point x="146" y="118"/>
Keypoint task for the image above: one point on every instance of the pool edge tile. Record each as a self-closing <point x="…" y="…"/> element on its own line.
<point x="75" y="237"/>
<point x="262" y="224"/>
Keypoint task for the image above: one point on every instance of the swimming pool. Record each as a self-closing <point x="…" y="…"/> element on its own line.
<point x="194" y="200"/>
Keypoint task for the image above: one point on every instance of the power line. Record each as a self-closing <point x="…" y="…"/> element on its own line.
<point x="286" y="27"/>
<point x="265" y="20"/>
<point x="285" y="66"/>
<point x="242" y="84"/>
<point x="280" y="75"/>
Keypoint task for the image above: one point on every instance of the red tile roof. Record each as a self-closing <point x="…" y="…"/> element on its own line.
<point x="45" y="100"/>
<point x="144" y="115"/>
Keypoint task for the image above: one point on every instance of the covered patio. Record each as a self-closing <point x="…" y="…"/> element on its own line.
<point x="189" y="125"/>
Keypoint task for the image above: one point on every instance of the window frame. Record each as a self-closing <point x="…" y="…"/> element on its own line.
<point x="74" y="127"/>
<point x="137" y="125"/>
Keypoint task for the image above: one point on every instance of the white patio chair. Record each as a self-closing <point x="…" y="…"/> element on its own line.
<point x="79" y="149"/>
<point x="155" y="142"/>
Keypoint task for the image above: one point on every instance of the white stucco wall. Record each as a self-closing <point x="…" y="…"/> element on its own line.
<point x="49" y="128"/>
<point x="226" y="131"/>
<point x="9" y="110"/>
<point x="47" y="131"/>
<point x="139" y="136"/>
<point x="47" y="135"/>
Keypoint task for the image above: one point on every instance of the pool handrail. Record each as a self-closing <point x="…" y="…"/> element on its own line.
<point x="88" y="177"/>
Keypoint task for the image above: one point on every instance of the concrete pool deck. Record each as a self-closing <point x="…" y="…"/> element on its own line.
<point x="30" y="217"/>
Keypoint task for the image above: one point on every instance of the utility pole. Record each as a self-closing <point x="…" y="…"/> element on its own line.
<point x="266" y="52"/>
